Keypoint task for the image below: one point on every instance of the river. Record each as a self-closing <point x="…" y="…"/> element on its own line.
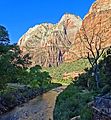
<point x="39" y="108"/>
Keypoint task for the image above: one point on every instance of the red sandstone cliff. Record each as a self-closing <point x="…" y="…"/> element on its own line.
<point x="97" y="24"/>
<point x="47" y="43"/>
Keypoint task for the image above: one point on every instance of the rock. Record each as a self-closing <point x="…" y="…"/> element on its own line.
<point x="52" y="44"/>
<point x="76" y="118"/>
<point x="97" y="21"/>
<point x="46" y="43"/>
<point x="101" y="107"/>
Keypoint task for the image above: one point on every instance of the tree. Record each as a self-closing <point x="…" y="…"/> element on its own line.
<point x="4" y="36"/>
<point x="19" y="59"/>
<point x="107" y="66"/>
<point x="4" y="40"/>
<point x="92" y="41"/>
<point x="39" y="77"/>
<point x="13" y="66"/>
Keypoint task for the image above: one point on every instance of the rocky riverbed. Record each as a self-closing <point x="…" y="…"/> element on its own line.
<point x="39" y="108"/>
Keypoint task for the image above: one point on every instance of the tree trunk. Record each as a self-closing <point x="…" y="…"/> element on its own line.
<point x="96" y="75"/>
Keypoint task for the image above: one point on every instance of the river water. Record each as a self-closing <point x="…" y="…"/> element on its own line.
<point x="39" y="108"/>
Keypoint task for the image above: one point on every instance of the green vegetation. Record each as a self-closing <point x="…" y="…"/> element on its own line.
<point x="70" y="103"/>
<point x="62" y="82"/>
<point x="39" y="77"/>
<point x="14" y="66"/>
<point x="4" y="36"/>
<point x="14" y="69"/>
<point x="57" y="72"/>
<point x="74" y="100"/>
<point x="18" y="82"/>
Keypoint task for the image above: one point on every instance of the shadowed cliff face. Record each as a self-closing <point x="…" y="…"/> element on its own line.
<point x="97" y="25"/>
<point x="47" y="43"/>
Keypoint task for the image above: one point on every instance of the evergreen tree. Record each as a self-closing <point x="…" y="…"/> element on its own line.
<point x="4" y="36"/>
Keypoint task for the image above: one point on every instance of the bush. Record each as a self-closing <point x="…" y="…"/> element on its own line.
<point x="86" y="113"/>
<point x="73" y="99"/>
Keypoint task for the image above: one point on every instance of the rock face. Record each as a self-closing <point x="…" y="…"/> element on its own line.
<point x="96" y="26"/>
<point x="101" y="107"/>
<point x="47" y="43"/>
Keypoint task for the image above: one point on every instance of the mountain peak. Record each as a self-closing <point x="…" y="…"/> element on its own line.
<point x="100" y="5"/>
<point x="48" y="42"/>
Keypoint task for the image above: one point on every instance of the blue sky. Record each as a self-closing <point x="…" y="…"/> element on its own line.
<point x="18" y="15"/>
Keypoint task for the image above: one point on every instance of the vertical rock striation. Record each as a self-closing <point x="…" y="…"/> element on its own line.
<point x="97" y="24"/>
<point x="47" y="43"/>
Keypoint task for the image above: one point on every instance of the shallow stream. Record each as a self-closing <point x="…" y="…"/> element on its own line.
<point x="39" y="108"/>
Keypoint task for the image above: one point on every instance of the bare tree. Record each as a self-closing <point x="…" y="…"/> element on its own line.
<point x="92" y="41"/>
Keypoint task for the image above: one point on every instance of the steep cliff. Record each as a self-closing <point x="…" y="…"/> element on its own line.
<point x="96" y="26"/>
<point x="47" y="42"/>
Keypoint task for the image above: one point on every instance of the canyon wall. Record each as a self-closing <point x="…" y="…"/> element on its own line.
<point x="47" y="43"/>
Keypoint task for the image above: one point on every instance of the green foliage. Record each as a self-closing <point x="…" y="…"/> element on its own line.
<point x="63" y="82"/>
<point x="4" y="36"/>
<point x="86" y="113"/>
<point x="106" y="89"/>
<point x="86" y="81"/>
<point x="14" y="68"/>
<point x="57" y="72"/>
<point x="73" y="99"/>
<point x="12" y="65"/>
<point x="39" y="78"/>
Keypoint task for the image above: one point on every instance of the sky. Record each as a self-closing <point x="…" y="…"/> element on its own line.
<point x="19" y="15"/>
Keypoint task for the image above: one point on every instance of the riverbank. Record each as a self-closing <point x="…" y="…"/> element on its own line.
<point x="14" y="97"/>
<point x="39" y="108"/>
<point x="18" y="94"/>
